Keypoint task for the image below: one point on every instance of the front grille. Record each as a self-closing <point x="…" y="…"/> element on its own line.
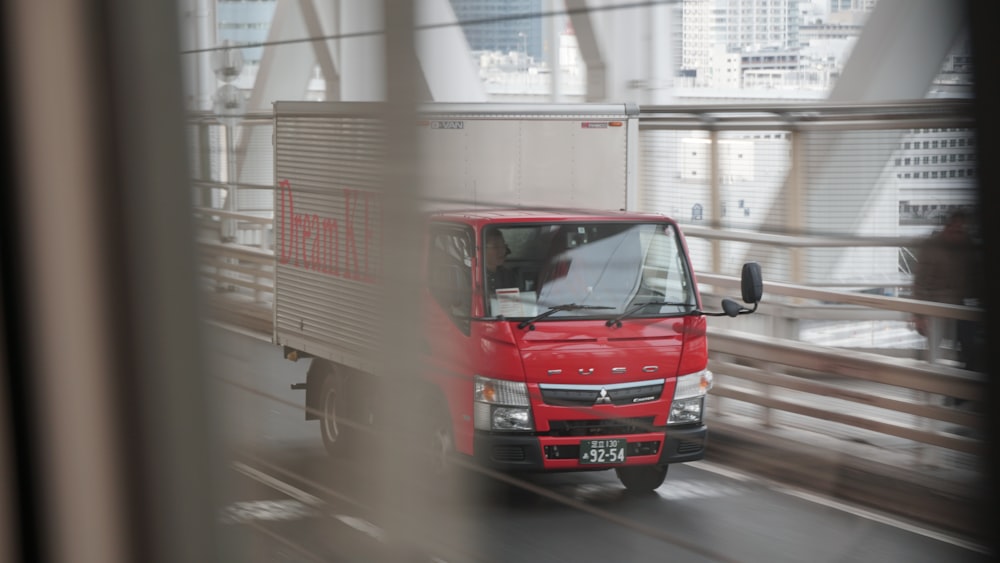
<point x="508" y="453"/>
<point x="590" y="394"/>
<point x="600" y="426"/>
<point x="689" y="447"/>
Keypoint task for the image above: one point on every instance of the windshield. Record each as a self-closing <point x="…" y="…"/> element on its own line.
<point x="602" y="269"/>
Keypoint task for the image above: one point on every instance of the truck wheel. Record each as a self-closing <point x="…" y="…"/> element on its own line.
<point x="642" y="478"/>
<point x="441" y="447"/>
<point x="333" y="405"/>
<point x="433" y="441"/>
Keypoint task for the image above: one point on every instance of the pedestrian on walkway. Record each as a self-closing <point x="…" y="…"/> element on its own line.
<point x="949" y="270"/>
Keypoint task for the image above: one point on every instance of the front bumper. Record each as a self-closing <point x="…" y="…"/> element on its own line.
<point x="511" y="452"/>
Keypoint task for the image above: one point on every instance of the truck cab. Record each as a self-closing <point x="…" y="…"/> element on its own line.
<point x="578" y="344"/>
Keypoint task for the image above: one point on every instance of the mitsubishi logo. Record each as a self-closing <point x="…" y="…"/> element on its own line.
<point x="603" y="398"/>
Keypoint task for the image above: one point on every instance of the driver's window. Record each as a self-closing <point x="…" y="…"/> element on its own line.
<point x="510" y="270"/>
<point x="449" y="271"/>
<point x="664" y="270"/>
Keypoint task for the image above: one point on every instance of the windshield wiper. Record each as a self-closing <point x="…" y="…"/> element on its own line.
<point x="556" y="309"/>
<point x="617" y="321"/>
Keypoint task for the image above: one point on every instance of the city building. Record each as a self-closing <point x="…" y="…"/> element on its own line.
<point x="506" y="26"/>
<point x="937" y="167"/>
<point x="734" y="26"/>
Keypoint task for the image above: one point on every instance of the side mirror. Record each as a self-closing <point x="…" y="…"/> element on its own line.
<point x="731" y="308"/>
<point x="752" y="283"/>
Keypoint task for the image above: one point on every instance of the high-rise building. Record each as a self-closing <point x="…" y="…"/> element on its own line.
<point x="711" y="26"/>
<point x="852" y="5"/>
<point x="502" y="25"/>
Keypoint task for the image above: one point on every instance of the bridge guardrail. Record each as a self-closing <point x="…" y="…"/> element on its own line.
<point x="860" y="411"/>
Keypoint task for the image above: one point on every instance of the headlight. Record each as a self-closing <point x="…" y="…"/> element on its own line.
<point x="686" y="411"/>
<point x="501" y="405"/>
<point x="689" y="397"/>
<point x="512" y="418"/>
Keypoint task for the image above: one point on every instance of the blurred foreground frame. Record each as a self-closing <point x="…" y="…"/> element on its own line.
<point x="112" y="445"/>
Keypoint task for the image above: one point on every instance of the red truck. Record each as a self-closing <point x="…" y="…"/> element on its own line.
<point x="562" y="340"/>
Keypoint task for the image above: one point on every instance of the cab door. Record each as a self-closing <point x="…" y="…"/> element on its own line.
<point x="445" y="336"/>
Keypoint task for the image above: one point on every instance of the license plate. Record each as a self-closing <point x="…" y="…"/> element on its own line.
<point x="604" y="451"/>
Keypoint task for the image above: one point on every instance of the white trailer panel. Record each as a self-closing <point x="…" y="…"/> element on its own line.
<point x="329" y="173"/>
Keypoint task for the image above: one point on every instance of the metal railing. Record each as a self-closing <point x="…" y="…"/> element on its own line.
<point x="918" y="413"/>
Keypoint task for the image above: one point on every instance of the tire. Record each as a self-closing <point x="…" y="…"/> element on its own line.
<point x="333" y="402"/>
<point x="441" y="447"/>
<point x="437" y="472"/>
<point x="429" y="438"/>
<point x="642" y="478"/>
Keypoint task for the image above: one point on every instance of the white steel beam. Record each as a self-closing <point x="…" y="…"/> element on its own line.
<point x="900" y="51"/>
<point x="286" y="68"/>
<point x="445" y="58"/>
<point x="197" y="33"/>
<point x="626" y="47"/>
<point x="590" y="49"/>
<point x="362" y="51"/>
<point x="353" y="62"/>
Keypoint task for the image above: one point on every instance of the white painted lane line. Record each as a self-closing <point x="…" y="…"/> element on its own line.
<point x="843" y="507"/>
<point x="311" y="503"/>
<point x="681" y="490"/>
<point x="277" y="484"/>
<point x="243" y="512"/>
<point x="362" y="526"/>
<point x="305" y="498"/>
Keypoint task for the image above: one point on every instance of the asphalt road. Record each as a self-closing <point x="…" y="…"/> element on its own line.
<point x="282" y="499"/>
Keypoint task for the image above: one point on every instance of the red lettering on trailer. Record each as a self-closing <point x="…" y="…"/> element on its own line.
<point x="286" y="236"/>
<point x="350" y="210"/>
<point x="313" y="242"/>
